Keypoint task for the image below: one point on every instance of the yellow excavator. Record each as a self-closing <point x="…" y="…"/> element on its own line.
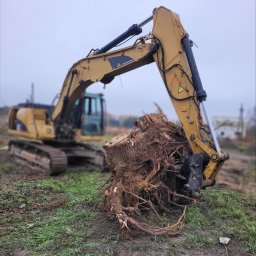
<point x="170" y="48"/>
<point x="41" y="145"/>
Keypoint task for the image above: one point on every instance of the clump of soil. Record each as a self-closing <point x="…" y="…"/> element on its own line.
<point x="144" y="176"/>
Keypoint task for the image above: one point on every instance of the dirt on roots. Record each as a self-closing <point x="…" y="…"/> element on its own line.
<point x="144" y="176"/>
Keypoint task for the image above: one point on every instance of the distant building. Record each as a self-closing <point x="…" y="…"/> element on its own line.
<point x="228" y="127"/>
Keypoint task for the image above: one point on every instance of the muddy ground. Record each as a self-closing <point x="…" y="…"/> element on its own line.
<point x="62" y="215"/>
<point x="238" y="173"/>
<point x="41" y="215"/>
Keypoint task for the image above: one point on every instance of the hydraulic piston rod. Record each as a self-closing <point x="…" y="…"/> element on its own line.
<point x="135" y="29"/>
<point x="214" y="137"/>
<point x="144" y="22"/>
<point x="200" y="92"/>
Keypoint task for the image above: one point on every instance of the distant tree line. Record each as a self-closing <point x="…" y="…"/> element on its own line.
<point x="126" y="121"/>
<point x="4" y="110"/>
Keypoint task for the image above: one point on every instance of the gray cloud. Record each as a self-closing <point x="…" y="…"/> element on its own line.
<point x="40" y="40"/>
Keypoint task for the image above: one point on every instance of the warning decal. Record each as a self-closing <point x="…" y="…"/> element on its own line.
<point x="181" y="89"/>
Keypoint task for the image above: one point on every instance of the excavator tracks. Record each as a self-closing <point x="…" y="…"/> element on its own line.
<point x="37" y="155"/>
<point x="88" y="155"/>
<point x="55" y="158"/>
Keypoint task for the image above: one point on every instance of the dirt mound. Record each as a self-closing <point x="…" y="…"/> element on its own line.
<point x="144" y="175"/>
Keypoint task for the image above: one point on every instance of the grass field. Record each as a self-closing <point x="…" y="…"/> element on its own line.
<point x="62" y="215"/>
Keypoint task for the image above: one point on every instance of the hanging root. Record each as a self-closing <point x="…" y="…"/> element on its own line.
<point x="143" y="185"/>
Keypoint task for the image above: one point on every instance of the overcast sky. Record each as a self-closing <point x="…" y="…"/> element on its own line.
<point x="41" y="39"/>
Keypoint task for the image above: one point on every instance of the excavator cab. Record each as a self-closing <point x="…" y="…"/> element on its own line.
<point x="88" y="114"/>
<point x="93" y="118"/>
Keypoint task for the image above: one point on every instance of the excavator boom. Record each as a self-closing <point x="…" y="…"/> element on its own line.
<point x="169" y="47"/>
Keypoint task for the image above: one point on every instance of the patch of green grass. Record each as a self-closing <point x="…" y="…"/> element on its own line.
<point x="113" y="238"/>
<point x="63" y="230"/>
<point x="195" y="232"/>
<point x="219" y="213"/>
<point x="8" y="198"/>
<point x="236" y="214"/>
<point x="56" y="185"/>
<point x="71" y="228"/>
<point x="10" y="219"/>
<point x="7" y="167"/>
<point x="196" y="241"/>
<point x="68" y="215"/>
<point x="14" y="197"/>
<point x="194" y="218"/>
<point x="78" y="186"/>
<point x="70" y="251"/>
<point x="57" y="229"/>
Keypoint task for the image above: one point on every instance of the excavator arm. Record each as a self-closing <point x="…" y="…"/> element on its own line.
<point x="100" y="68"/>
<point x="178" y="69"/>
<point x="169" y="46"/>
